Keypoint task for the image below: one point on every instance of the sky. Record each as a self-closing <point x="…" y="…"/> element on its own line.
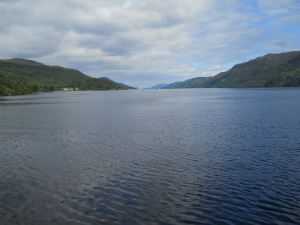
<point x="147" y="42"/>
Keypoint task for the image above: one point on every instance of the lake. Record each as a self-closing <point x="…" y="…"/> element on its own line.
<point x="185" y="156"/>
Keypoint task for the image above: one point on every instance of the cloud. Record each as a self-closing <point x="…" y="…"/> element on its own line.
<point x="215" y="68"/>
<point x="145" y="42"/>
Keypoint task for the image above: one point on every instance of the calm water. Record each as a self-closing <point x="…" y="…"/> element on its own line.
<point x="198" y="156"/>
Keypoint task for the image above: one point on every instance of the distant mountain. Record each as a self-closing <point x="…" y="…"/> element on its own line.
<point x="271" y="70"/>
<point x="124" y="85"/>
<point x="32" y="73"/>
<point x="191" y="83"/>
<point x="158" y="86"/>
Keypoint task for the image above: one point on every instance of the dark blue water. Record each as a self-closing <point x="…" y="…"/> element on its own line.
<point x="197" y="156"/>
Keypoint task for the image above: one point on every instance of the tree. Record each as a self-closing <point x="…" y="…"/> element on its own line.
<point x="35" y="88"/>
<point x="2" y="90"/>
<point x="51" y="88"/>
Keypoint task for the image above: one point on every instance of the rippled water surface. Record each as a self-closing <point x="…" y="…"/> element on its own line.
<point x="197" y="156"/>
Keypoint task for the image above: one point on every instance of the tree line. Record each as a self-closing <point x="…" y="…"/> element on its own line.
<point x="10" y="87"/>
<point x="27" y="76"/>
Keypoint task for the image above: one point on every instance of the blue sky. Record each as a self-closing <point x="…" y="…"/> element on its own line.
<point x="143" y="43"/>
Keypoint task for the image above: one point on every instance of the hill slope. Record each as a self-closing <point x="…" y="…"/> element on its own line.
<point x="32" y="72"/>
<point x="9" y="87"/>
<point x="191" y="83"/>
<point x="271" y="70"/>
<point x="125" y="85"/>
<point x="158" y="86"/>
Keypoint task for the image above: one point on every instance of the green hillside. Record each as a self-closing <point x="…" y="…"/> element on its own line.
<point x="10" y="87"/>
<point x="122" y="84"/>
<point x="271" y="70"/>
<point x="191" y="83"/>
<point x="34" y="73"/>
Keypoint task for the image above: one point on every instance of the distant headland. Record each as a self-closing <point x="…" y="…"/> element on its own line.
<point x="22" y="76"/>
<point x="271" y="70"/>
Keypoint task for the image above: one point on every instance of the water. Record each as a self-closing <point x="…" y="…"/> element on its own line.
<point x="197" y="156"/>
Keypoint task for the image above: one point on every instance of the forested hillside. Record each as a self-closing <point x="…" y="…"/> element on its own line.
<point x="122" y="84"/>
<point x="271" y="70"/>
<point x="33" y="73"/>
<point x="191" y="83"/>
<point x="10" y="87"/>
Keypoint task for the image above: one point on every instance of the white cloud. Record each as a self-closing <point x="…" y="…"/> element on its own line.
<point x="146" y="42"/>
<point x="215" y="68"/>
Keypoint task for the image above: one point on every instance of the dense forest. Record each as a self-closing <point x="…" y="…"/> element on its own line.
<point x="271" y="70"/>
<point x="10" y="87"/>
<point x="22" y="76"/>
